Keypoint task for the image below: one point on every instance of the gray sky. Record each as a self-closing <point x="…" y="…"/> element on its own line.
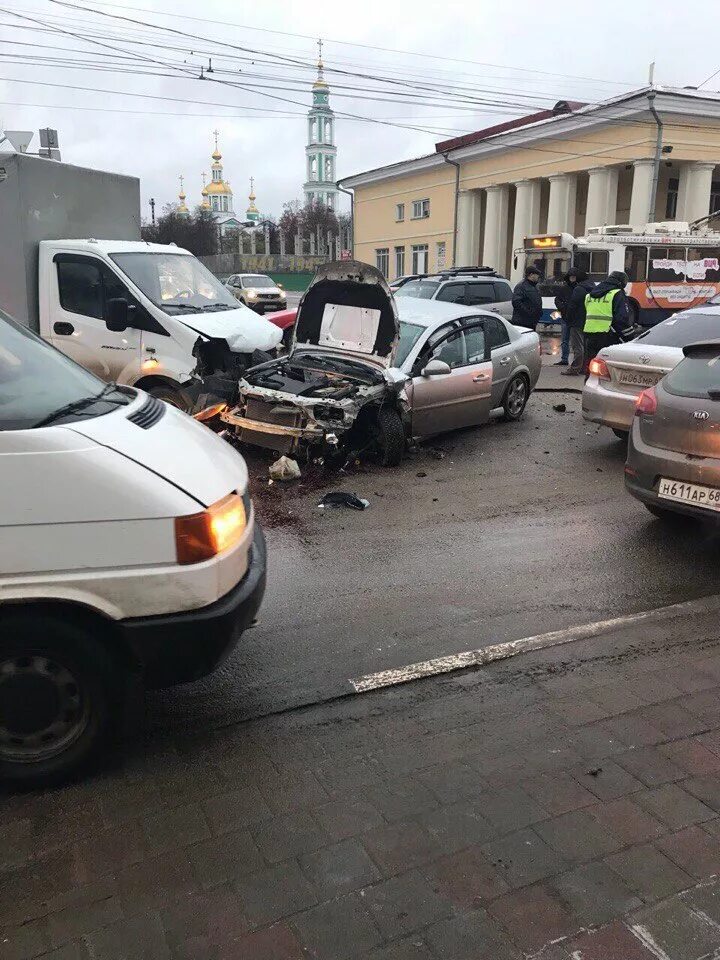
<point x="520" y="57"/>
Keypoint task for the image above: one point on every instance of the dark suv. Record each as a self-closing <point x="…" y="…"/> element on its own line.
<point x="474" y="286"/>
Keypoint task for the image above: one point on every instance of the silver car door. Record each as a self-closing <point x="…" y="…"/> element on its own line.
<point x="504" y="359"/>
<point x="460" y="398"/>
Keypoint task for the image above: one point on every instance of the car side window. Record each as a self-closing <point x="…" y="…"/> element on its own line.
<point x="475" y="343"/>
<point x="452" y="293"/>
<point x="496" y="333"/>
<point x="503" y="291"/>
<point x="80" y="287"/>
<point x="451" y="350"/>
<point x="479" y="293"/>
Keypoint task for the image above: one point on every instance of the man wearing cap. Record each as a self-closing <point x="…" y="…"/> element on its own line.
<point x="606" y="314"/>
<point x="526" y="300"/>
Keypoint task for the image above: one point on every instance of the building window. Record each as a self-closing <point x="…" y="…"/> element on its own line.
<point x="636" y="260"/>
<point x="714" y="197"/>
<point x="399" y="261"/>
<point x="216" y="176"/>
<point x="382" y="260"/>
<point x="399" y="212"/>
<point x="420" y="209"/>
<point x="224" y="203"/>
<point x="672" y="198"/>
<point x="441" y="255"/>
<point x="419" y="258"/>
<point x="331" y="201"/>
<point x="215" y="203"/>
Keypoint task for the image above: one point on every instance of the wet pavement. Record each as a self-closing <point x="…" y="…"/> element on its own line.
<point x="520" y="529"/>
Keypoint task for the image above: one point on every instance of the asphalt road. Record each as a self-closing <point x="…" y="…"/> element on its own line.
<point x="519" y="529"/>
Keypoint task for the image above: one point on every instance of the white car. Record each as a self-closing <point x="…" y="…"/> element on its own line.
<point x="620" y="373"/>
<point x="129" y="554"/>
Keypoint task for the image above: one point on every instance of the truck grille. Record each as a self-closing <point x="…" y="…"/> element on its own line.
<point x="262" y="411"/>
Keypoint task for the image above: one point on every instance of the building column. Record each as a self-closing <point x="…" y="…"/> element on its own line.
<point x="527" y="219"/>
<point x="467" y="252"/>
<point x="601" y="206"/>
<point x="694" y="191"/>
<point x="641" y="190"/>
<point x="496" y="226"/>
<point x="561" y="203"/>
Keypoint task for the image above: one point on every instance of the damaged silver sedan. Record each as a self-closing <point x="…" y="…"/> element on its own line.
<point x="360" y="376"/>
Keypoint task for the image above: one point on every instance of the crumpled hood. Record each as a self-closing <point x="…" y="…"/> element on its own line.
<point x="348" y="310"/>
<point x="242" y="329"/>
<point x="177" y="448"/>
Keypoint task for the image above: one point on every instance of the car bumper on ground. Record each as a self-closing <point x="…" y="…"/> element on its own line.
<point x="178" y="648"/>
<point x="606" y="406"/>
<point x="646" y="465"/>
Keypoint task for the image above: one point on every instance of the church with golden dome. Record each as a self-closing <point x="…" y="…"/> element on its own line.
<point x="217" y="196"/>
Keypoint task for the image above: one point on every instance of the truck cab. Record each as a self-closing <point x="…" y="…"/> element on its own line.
<point x="144" y="314"/>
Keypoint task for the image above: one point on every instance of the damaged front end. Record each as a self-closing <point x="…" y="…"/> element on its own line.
<point x="219" y="369"/>
<point x="337" y="389"/>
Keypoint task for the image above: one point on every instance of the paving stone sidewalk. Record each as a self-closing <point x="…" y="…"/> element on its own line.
<point x="564" y="804"/>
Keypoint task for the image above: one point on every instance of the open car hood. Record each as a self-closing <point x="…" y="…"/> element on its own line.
<point x="242" y="329"/>
<point x="348" y="310"/>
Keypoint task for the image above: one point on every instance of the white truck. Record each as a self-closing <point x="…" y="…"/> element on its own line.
<point x="73" y="265"/>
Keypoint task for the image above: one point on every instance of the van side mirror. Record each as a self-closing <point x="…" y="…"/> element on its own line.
<point x="116" y="314"/>
<point x="436" y="368"/>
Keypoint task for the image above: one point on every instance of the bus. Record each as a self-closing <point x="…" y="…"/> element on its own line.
<point x="669" y="268"/>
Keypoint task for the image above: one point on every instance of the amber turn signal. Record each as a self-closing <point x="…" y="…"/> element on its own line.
<point x="203" y="535"/>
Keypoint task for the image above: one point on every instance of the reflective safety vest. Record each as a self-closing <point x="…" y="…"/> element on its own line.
<point x="599" y="312"/>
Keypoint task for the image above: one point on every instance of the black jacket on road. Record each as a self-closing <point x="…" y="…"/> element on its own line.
<point x="527" y="305"/>
<point x="620" y="314"/>
<point x="574" y="314"/>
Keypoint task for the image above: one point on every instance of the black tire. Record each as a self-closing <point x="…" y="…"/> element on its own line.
<point x="176" y="398"/>
<point x="621" y="434"/>
<point x="390" y="437"/>
<point x="56" y="699"/>
<point x="516" y="397"/>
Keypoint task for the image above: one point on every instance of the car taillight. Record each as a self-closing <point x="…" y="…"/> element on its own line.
<point x="599" y="369"/>
<point x="203" y="535"/>
<point x="646" y="402"/>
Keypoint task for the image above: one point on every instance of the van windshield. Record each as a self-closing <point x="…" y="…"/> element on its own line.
<point x="175" y="282"/>
<point x="40" y="386"/>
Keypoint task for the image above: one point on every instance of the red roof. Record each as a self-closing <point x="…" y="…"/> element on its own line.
<point x="561" y="107"/>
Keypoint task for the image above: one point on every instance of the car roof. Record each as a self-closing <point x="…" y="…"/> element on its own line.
<point x="433" y="313"/>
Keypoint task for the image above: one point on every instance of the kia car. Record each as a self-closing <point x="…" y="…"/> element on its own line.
<point x="673" y="463"/>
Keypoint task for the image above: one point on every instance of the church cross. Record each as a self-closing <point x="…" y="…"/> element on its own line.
<point x="252" y="184"/>
<point x="319" y="43"/>
<point x="216" y="134"/>
<point x="182" y="182"/>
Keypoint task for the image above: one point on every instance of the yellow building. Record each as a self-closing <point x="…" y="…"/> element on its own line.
<point x="567" y="169"/>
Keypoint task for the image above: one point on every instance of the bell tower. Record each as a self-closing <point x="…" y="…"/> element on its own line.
<point x="321" y="150"/>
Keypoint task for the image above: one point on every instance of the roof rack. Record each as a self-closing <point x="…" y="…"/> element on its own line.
<point x="477" y="271"/>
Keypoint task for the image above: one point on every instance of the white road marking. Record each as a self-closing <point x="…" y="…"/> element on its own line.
<point x="511" y="648"/>
<point x="645" y="937"/>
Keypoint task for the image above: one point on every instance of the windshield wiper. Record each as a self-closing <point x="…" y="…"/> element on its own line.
<point x="77" y="405"/>
<point x="217" y="306"/>
<point x="180" y="306"/>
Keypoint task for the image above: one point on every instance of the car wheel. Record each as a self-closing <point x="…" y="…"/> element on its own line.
<point x="390" y="437"/>
<point x="176" y="398"/>
<point x="621" y="434"/>
<point x="55" y="700"/>
<point x="516" y="397"/>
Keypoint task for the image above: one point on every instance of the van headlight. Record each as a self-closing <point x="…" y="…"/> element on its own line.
<point x="201" y="536"/>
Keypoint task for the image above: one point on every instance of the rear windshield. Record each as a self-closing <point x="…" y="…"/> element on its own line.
<point x="682" y="329"/>
<point x="695" y="376"/>
<point x="420" y="289"/>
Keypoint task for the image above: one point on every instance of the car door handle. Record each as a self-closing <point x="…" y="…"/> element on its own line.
<point x="480" y="377"/>
<point x="505" y="361"/>
<point x="63" y="328"/>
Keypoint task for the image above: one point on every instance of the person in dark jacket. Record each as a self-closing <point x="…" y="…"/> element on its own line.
<point x="580" y="286"/>
<point x="526" y="300"/>
<point x="607" y="318"/>
<point x="561" y="303"/>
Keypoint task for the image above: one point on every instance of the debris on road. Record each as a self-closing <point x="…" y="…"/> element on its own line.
<point x="436" y="454"/>
<point x="284" y="468"/>
<point x="559" y="407"/>
<point x="421" y="473"/>
<point x="341" y="498"/>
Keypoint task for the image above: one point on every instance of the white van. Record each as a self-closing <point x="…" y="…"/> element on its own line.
<point x="129" y="552"/>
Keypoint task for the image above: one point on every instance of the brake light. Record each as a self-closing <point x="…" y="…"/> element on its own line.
<point x="599" y="369"/>
<point x="203" y="535"/>
<point x="646" y="402"/>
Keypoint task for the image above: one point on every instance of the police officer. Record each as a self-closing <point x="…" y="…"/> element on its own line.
<point x="606" y="314"/>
